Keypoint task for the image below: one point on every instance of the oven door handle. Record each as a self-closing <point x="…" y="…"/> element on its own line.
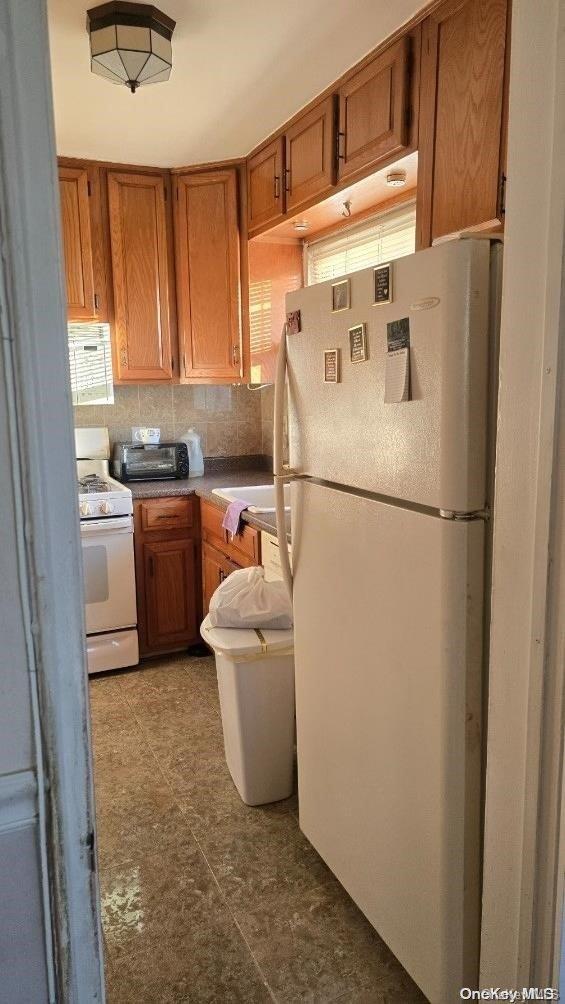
<point x="119" y="524"/>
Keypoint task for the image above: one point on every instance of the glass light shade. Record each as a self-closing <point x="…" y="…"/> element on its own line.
<point x="130" y="43"/>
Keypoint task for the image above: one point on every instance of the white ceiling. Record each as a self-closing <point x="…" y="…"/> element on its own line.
<point x="241" y="68"/>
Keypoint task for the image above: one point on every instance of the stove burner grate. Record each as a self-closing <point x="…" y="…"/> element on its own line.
<point x="93" y="483"/>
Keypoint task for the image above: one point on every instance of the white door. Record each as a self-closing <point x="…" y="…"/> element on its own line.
<point x="429" y="450"/>
<point x="109" y="574"/>
<point x="388" y="659"/>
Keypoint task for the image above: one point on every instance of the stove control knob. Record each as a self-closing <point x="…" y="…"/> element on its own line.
<point x="85" y="509"/>
<point x="106" y="508"/>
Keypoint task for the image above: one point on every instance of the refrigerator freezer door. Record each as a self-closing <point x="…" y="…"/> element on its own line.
<point x="431" y="449"/>
<point x="388" y="655"/>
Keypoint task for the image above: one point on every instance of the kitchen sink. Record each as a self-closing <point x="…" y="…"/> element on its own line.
<point x="259" y="498"/>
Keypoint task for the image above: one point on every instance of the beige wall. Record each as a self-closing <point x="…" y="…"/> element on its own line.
<point x="227" y="418"/>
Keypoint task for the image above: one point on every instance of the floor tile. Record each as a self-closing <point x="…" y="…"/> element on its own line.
<point x="315" y="945"/>
<point x="165" y="980"/>
<point x="118" y="777"/>
<point x="170" y="728"/>
<point x="105" y="691"/>
<point x="116" y="735"/>
<point x="169" y="933"/>
<point x="134" y="826"/>
<point x="183" y="677"/>
<point x="394" y="989"/>
<point x="257" y="856"/>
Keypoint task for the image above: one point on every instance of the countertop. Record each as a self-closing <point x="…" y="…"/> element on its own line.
<point x="203" y="487"/>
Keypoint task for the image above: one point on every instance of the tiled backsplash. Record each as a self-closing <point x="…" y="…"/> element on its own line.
<point x="228" y="418"/>
<point x="267" y="410"/>
<point x="267" y="406"/>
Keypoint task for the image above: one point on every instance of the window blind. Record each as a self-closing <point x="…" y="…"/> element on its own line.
<point x="90" y="361"/>
<point x="381" y="239"/>
<point x="260" y="325"/>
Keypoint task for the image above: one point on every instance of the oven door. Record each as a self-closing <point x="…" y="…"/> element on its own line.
<point x="109" y="574"/>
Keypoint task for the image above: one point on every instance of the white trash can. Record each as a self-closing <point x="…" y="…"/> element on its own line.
<point x="256" y="686"/>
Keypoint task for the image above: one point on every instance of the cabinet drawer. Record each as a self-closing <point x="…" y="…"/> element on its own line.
<point x="243" y="549"/>
<point x="167" y="514"/>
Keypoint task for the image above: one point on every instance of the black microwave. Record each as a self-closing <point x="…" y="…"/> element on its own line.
<point x="148" y="462"/>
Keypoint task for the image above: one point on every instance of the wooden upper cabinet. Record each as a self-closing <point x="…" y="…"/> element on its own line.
<point x="77" y="244"/>
<point x="265" y="189"/>
<point x="207" y="270"/>
<point x="142" y="275"/>
<point x="373" y="111"/>
<point x="462" y="120"/>
<point x="310" y="155"/>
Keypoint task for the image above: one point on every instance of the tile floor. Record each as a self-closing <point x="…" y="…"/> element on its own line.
<point x="203" y="898"/>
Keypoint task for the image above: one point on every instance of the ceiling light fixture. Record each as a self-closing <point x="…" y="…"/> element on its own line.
<point x="301" y="226"/>
<point x="396" y="179"/>
<point x="130" y="43"/>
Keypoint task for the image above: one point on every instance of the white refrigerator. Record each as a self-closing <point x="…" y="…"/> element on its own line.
<point x="390" y="534"/>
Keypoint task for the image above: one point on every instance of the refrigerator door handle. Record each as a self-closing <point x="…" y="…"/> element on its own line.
<point x="278" y="418"/>
<point x="281" y="474"/>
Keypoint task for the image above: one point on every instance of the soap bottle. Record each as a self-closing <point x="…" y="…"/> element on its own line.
<point x="195" y="458"/>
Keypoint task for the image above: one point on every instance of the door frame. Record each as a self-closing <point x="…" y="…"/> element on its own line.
<point x="43" y="474"/>
<point x="521" y="916"/>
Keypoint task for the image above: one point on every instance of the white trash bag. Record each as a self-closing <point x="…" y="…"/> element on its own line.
<point x="245" y="600"/>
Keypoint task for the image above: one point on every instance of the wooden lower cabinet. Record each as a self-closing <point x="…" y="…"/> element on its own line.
<point x="222" y="554"/>
<point x="167" y="568"/>
<point x="215" y="568"/>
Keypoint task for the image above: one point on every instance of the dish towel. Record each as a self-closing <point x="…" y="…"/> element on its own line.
<point x="232" y="518"/>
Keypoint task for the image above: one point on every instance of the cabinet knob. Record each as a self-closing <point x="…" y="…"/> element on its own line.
<point x="277" y="187"/>
<point x="235" y="355"/>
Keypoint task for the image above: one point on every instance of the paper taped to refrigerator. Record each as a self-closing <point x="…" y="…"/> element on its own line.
<point x="397" y="376"/>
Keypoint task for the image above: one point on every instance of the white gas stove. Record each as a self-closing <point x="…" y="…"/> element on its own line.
<point x="100" y="495"/>
<point x="106" y="525"/>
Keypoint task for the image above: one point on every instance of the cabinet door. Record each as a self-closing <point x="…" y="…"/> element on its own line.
<point x="169" y="569"/>
<point x="77" y="243"/>
<point x="265" y="196"/>
<point x="215" y="568"/>
<point x="461" y="148"/>
<point x="141" y="276"/>
<point x="373" y="111"/>
<point x="207" y="258"/>
<point x="310" y="155"/>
